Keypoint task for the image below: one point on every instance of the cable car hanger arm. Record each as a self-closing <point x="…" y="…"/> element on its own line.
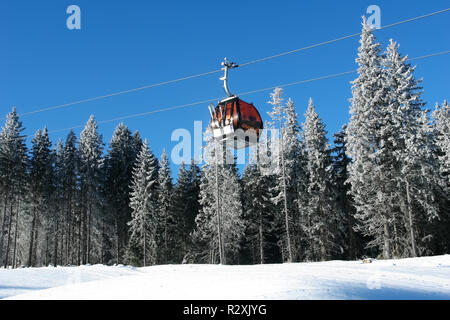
<point x="227" y="65"/>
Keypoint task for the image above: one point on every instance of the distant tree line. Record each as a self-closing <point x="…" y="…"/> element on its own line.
<point x="382" y="190"/>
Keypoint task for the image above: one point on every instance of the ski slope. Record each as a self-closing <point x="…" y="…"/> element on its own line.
<point x="416" y="278"/>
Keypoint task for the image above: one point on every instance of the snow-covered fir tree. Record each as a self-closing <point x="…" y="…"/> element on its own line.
<point x="71" y="229"/>
<point x="13" y="186"/>
<point x="57" y="213"/>
<point x="420" y="181"/>
<point x="231" y="212"/>
<point x="137" y="143"/>
<point x="41" y="180"/>
<point x="408" y="136"/>
<point x="168" y="233"/>
<point x="185" y="207"/>
<point x="297" y="176"/>
<point x="350" y="240"/>
<point x="441" y="117"/>
<point x="260" y="244"/>
<point x="368" y="175"/>
<point x="119" y="165"/>
<point x="142" y="245"/>
<point x="91" y="166"/>
<point x="441" y="133"/>
<point x="192" y="204"/>
<point x="287" y="144"/>
<point x="320" y="215"/>
<point x="219" y="225"/>
<point x="393" y="171"/>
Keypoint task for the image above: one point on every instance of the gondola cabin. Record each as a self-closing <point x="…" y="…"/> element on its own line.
<point x="236" y="119"/>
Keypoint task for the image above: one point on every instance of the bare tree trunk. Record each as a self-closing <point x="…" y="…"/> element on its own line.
<point x="36" y="237"/>
<point x="351" y="243"/>
<point x="46" y="250"/>
<point x="219" y="222"/>
<point x="395" y="244"/>
<point x="30" y="251"/>
<point x="79" y="238"/>
<point x="253" y="251"/>
<point x="166" y="248"/>
<point x="323" y="249"/>
<point x="102" y="246"/>
<point x="117" y="242"/>
<point x="15" y="235"/>
<point x="286" y="214"/>
<point x="8" y="243"/>
<point x="61" y="239"/>
<point x="71" y="242"/>
<point x="62" y="232"/>
<point x="84" y="238"/>
<point x="55" y="245"/>
<point x="261" y="239"/>
<point x="88" y="245"/>
<point x="5" y="218"/>
<point x="386" y="236"/>
<point x="62" y="235"/>
<point x="145" y="243"/>
<point x="411" y="222"/>
<point x="70" y="222"/>
<point x="212" y="256"/>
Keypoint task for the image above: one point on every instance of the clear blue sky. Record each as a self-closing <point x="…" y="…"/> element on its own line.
<point x="127" y="44"/>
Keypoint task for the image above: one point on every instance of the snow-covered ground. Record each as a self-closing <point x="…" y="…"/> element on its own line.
<point x="418" y="278"/>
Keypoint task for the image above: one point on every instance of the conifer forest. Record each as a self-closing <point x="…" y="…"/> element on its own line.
<point x="380" y="188"/>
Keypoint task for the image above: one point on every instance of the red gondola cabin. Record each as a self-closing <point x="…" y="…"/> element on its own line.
<point x="236" y="119"/>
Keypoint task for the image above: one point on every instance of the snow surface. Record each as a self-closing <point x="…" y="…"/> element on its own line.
<point x="415" y="278"/>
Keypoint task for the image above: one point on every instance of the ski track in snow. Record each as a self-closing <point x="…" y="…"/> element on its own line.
<point x="415" y="278"/>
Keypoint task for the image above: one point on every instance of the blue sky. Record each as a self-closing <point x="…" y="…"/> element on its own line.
<point x="127" y="44"/>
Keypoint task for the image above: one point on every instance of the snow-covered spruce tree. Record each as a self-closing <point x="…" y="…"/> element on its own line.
<point x="251" y="240"/>
<point x="204" y="248"/>
<point x="57" y="209"/>
<point x="119" y="165"/>
<point x="192" y="204"/>
<point x="441" y="132"/>
<point x="260" y="241"/>
<point x="420" y="180"/>
<point x="369" y="172"/>
<point x="70" y="194"/>
<point x="220" y="221"/>
<point x="284" y="118"/>
<point x="91" y="166"/>
<point x="137" y="143"/>
<point x="350" y="240"/>
<point x="167" y="234"/>
<point x="268" y="164"/>
<point x="41" y="180"/>
<point x="321" y="219"/>
<point x="295" y="163"/>
<point x="142" y="246"/>
<point x="13" y="186"/>
<point x="185" y="206"/>
<point x="406" y="135"/>
<point x="231" y="212"/>
<point x="441" y="117"/>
